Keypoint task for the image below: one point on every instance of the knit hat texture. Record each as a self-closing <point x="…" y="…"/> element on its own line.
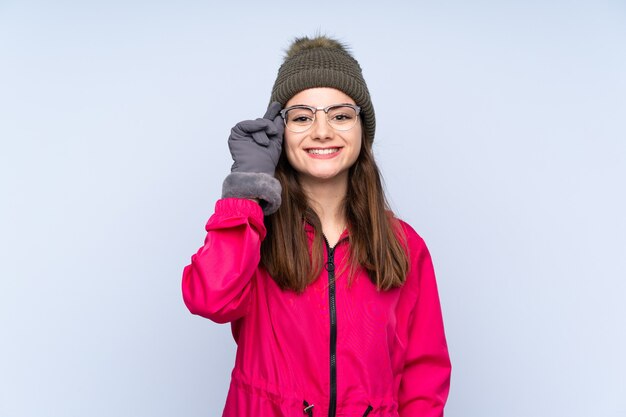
<point x="324" y="62"/>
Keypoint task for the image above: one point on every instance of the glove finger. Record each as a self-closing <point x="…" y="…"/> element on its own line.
<point x="249" y="126"/>
<point x="261" y="138"/>
<point x="259" y="129"/>
<point x="279" y="124"/>
<point x="276" y="128"/>
<point x="271" y="127"/>
<point x="273" y="110"/>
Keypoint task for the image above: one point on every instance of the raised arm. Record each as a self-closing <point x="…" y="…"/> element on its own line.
<point x="218" y="282"/>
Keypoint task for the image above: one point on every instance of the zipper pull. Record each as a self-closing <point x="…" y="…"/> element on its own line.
<point x="308" y="409"/>
<point x="330" y="263"/>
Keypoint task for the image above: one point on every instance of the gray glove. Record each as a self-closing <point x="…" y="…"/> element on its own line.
<point x="255" y="146"/>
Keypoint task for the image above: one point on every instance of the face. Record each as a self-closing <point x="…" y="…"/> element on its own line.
<point x="322" y="153"/>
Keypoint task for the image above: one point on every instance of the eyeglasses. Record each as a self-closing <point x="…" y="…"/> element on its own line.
<point x="300" y="118"/>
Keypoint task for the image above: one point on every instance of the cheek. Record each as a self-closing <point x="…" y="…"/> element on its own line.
<point x="358" y="143"/>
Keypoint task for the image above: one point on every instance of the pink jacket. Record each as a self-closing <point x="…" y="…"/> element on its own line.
<point x="334" y="350"/>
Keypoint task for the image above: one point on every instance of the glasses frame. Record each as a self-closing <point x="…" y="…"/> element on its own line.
<point x="314" y="110"/>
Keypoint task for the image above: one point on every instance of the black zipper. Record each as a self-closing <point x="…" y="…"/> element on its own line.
<point x="332" y="306"/>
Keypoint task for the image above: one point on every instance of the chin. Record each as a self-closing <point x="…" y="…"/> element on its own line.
<point x="324" y="176"/>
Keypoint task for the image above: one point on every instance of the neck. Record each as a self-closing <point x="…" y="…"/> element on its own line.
<point x="327" y="199"/>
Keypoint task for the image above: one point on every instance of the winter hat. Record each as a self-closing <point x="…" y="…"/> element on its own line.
<point x="324" y="62"/>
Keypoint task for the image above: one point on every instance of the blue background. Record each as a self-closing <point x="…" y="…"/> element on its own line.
<point x="501" y="137"/>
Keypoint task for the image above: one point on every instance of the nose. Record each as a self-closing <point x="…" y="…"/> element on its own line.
<point x="321" y="129"/>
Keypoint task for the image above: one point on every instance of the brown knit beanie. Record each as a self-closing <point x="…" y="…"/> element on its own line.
<point x="324" y="62"/>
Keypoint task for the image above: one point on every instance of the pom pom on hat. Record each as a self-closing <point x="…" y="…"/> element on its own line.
<point x="303" y="44"/>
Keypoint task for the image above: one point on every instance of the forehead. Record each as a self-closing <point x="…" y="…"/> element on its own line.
<point x="319" y="97"/>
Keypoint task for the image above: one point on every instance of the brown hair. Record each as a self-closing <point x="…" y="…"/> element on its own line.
<point x="376" y="238"/>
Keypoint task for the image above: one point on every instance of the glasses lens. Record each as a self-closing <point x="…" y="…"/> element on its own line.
<point x="342" y="117"/>
<point x="299" y="119"/>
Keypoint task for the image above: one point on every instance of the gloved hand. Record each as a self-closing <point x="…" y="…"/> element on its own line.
<point x="255" y="145"/>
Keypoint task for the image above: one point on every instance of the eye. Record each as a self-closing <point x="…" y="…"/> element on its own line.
<point x="300" y="116"/>
<point x="342" y="117"/>
<point x="341" y="114"/>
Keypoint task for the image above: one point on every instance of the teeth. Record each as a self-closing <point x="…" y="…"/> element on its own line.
<point x="323" y="151"/>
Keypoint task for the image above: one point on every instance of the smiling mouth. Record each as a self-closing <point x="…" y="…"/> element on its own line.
<point x="325" y="151"/>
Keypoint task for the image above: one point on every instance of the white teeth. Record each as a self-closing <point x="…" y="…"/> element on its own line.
<point x="323" y="151"/>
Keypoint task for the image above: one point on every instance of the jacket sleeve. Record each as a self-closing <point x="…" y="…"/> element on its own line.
<point x="425" y="378"/>
<point x="218" y="282"/>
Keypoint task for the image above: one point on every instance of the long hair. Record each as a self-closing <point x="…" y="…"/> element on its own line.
<point x="375" y="235"/>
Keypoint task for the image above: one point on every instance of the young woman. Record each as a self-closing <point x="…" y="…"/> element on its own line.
<point x="332" y="300"/>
